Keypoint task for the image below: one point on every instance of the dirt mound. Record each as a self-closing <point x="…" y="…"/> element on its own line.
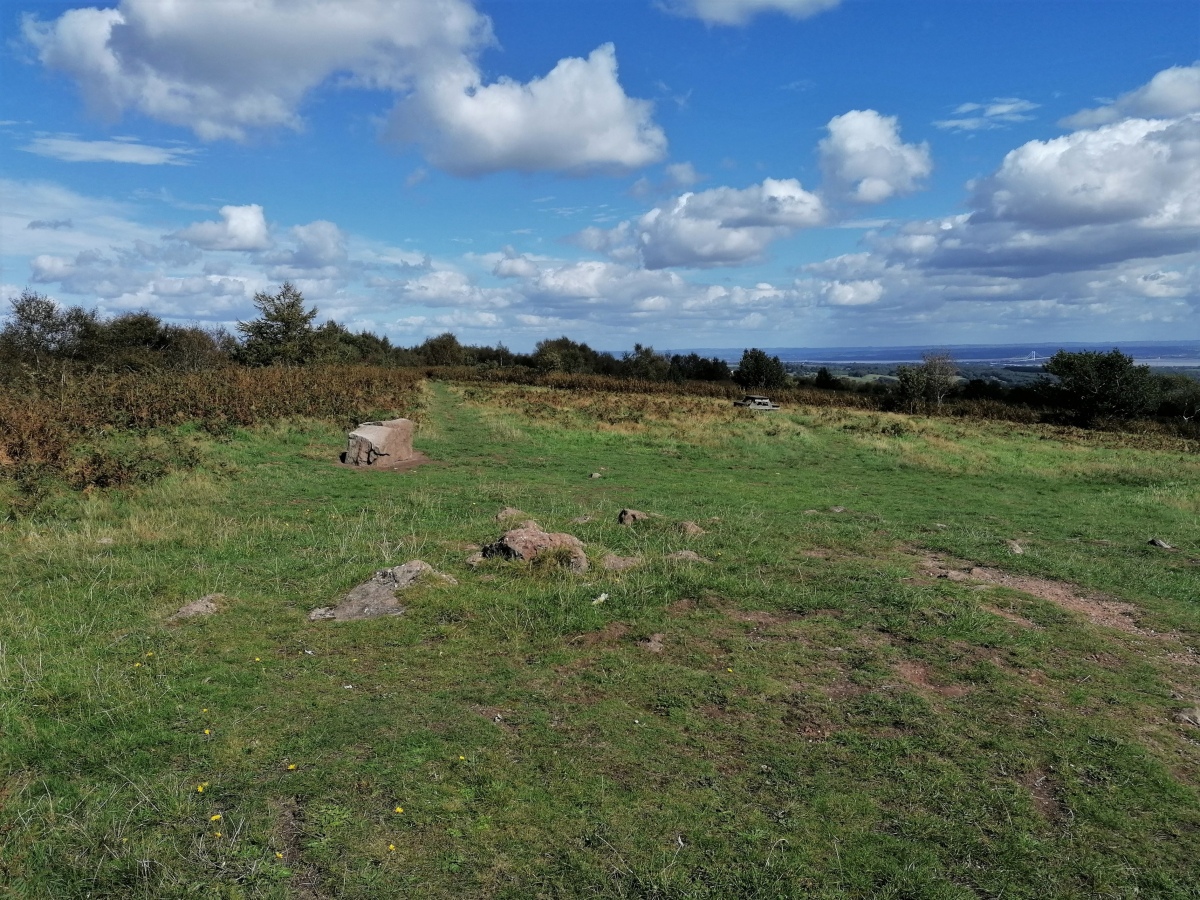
<point x="208" y="605"/>
<point x="918" y="675"/>
<point x="1097" y="609"/>
<point x="614" y="563"/>
<point x="686" y="556"/>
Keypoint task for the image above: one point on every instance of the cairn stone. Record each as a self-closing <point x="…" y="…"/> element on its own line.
<point x="380" y="443"/>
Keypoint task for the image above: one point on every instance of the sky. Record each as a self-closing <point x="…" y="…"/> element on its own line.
<point x="679" y="173"/>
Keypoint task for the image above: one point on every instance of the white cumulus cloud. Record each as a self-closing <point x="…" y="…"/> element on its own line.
<point x="719" y="227"/>
<point x="1171" y="93"/>
<point x="739" y="12"/>
<point x="226" y="68"/>
<point x="240" y="228"/>
<point x="865" y="160"/>
<point x="575" y="119"/>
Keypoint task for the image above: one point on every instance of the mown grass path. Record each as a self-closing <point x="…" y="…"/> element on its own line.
<point x="812" y="713"/>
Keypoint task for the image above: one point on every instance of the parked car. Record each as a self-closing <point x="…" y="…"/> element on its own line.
<point x="755" y="401"/>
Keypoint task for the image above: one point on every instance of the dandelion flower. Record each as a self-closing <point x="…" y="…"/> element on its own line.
<point x="205" y="709"/>
<point x="729" y="670"/>
<point x="216" y="818"/>
<point x="258" y="659"/>
<point x="137" y="665"/>
<point x="462" y="757"/>
<point x="207" y="731"/>
<point x="399" y="809"/>
<point x="391" y="847"/>
<point x="291" y="767"/>
<point x="278" y="855"/>
<point x="151" y="653"/>
<point x="216" y="834"/>
<point x="199" y="789"/>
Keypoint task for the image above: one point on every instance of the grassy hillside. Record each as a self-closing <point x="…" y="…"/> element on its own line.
<point x="865" y="692"/>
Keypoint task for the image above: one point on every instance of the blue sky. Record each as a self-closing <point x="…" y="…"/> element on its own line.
<point x="684" y="173"/>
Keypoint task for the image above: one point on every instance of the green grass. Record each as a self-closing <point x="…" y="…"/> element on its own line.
<point x="822" y="721"/>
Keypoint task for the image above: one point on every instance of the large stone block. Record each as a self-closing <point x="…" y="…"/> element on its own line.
<point x="380" y="443"/>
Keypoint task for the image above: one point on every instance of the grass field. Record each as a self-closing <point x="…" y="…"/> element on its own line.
<point x="865" y="691"/>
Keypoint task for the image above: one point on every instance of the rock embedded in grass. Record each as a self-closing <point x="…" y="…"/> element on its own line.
<point x="691" y="529"/>
<point x="629" y="516"/>
<point x="528" y="541"/>
<point x="614" y="563"/>
<point x="686" y="556"/>
<point x="377" y="596"/>
<point x="207" y="605"/>
<point x="510" y="512"/>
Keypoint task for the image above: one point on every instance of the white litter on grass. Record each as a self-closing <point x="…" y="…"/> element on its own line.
<point x="599" y="599"/>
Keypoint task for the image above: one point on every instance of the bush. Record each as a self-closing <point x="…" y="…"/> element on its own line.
<point x="1092" y="386"/>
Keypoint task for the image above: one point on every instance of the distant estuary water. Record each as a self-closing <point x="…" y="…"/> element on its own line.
<point x="1180" y="354"/>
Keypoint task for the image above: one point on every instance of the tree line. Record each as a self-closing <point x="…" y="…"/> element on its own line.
<point x="40" y="337"/>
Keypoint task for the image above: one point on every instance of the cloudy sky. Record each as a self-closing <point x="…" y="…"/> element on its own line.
<point x="685" y="173"/>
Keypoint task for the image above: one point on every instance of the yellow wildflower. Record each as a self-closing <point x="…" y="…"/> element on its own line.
<point x="216" y="834"/>
<point x="462" y="757"/>
<point x="151" y="653"/>
<point x="391" y="847"/>
<point x="258" y="659"/>
<point x="206" y="731"/>
<point x="399" y="809"/>
<point x="291" y="767"/>
<point x="137" y="665"/>
<point x="199" y="789"/>
<point x="216" y="818"/>
<point x="278" y="855"/>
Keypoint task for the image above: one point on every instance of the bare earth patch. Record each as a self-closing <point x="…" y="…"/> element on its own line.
<point x="654" y="643"/>
<point x="1041" y="788"/>
<point x="1096" y="609"/>
<point x="610" y="634"/>
<point x="918" y="675"/>
<point x="682" y="606"/>
<point x="405" y="465"/>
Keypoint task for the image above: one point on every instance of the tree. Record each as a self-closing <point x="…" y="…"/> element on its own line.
<point x="826" y="380"/>
<point x="645" y="364"/>
<point x="283" y="334"/>
<point x="38" y="331"/>
<point x="757" y="370"/>
<point x="443" y="350"/>
<point x="1093" y="385"/>
<point x="920" y="387"/>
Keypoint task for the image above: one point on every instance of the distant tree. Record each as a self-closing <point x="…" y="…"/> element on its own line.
<point x="926" y="386"/>
<point x="283" y="333"/>
<point x="1179" y="397"/>
<point x="443" y="350"/>
<point x="1092" y="385"/>
<point x="39" y="331"/>
<point x="564" y="355"/>
<point x="826" y="380"/>
<point x="694" y="367"/>
<point x="642" y="362"/>
<point x="759" y="371"/>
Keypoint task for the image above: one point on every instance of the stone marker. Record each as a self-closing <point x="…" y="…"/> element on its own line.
<point x="527" y="541"/>
<point x="373" y="443"/>
<point x="377" y="597"/>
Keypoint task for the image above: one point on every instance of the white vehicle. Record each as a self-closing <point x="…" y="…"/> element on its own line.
<point x="755" y="401"/>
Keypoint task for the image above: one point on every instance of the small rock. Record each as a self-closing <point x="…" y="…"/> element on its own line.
<point x="105" y="541"/>
<point x="475" y="559"/>
<point x="599" y="599"/>
<point x="837" y="509"/>
<point x="377" y="597"/>
<point x="1015" y="548"/>
<point x="205" y="606"/>
<point x="1161" y="545"/>
<point x="528" y="540"/>
<point x="686" y="556"/>
<point x="629" y="516"/>
<point x="811" y="512"/>
<point x="940" y="525"/>
<point x="691" y="529"/>
<point x="614" y="563"/>
<point x="654" y="643"/>
<point x="1189" y="717"/>
<point x="510" y="512"/>
<point x="595" y="475"/>
<point x="581" y="520"/>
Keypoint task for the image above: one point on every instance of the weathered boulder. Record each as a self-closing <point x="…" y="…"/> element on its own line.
<point x="373" y="443"/>
<point x="629" y="516"/>
<point x="377" y="597"/>
<point x="527" y="541"/>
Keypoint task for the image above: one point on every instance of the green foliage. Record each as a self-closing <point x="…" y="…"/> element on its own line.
<point x="759" y="371"/>
<point x="283" y="334"/>
<point x="924" y="387"/>
<point x="1092" y="385"/>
